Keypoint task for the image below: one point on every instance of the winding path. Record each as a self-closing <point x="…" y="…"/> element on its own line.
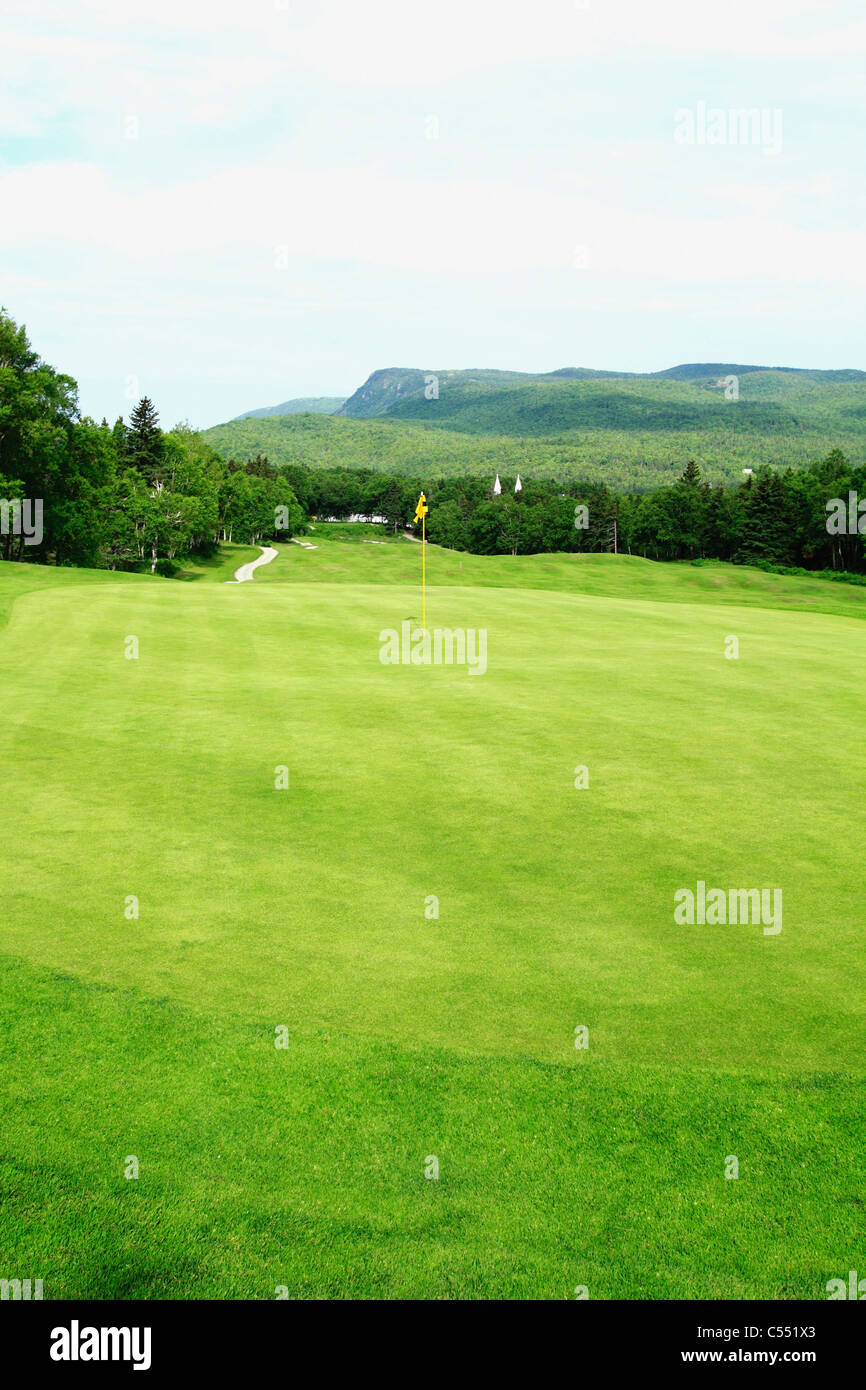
<point x="246" y="571"/>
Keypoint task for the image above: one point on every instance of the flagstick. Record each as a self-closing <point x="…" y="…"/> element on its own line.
<point x="424" y="573"/>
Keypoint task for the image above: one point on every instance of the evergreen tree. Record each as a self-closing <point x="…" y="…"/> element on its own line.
<point x="260" y="468"/>
<point x="767" y="528"/>
<point x="145" y="449"/>
<point x="118" y="434"/>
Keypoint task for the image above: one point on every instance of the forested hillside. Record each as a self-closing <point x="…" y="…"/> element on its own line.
<point x="393" y="390"/>
<point x="391" y="386"/>
<point x="637" y="458"/>
<point x="767" y="403"/>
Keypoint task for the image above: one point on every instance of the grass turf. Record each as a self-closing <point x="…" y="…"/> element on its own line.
<point x="411" y="1037"/>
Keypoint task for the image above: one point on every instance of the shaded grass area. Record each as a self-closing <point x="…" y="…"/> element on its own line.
<point x="219" y="567"/>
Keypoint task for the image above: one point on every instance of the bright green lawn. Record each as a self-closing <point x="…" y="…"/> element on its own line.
<point x="412" y="1037"/>
<point x="345" y="554"/>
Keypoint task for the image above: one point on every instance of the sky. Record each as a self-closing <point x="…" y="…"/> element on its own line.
<point x="224" y="204"/>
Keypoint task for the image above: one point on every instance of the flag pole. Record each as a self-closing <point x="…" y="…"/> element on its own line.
<point x="424" y="573"/>
<point x="421" y="515"/>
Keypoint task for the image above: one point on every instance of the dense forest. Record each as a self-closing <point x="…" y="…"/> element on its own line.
<point x="651" y="451"/>
<point x="131" y="495"/>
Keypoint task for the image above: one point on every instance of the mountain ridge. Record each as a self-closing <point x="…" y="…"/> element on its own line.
<point x="388" y="389"/>
<point x="298" y="405"/>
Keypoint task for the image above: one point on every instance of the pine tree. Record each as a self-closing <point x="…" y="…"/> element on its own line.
<point x="767" y="527"/>
<point x="144" y="440"/>
<point x="118" y="435"/>
<point x="687" y="507"/>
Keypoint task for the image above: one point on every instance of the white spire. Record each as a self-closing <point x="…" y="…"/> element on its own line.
<point x="518" y="486"/>
<point x="497" y="487"/>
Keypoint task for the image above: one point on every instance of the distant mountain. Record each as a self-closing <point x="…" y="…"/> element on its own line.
<point x="694" y="371"/>
<point x="631" y="430"/>
<point x="392" y="386"/>
<point x="389" y="390"/>
<point x="688" y="398"/>
<point x="302" y="405"/>
<point x="411" y="393"/>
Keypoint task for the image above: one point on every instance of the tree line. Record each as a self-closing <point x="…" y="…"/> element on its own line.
<point x="771" y="518"/>
<point x="126" y="496"/>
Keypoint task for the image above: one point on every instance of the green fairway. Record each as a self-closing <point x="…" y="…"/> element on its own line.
<point x="350" y="553"/>
<point x="411" y="1036"/>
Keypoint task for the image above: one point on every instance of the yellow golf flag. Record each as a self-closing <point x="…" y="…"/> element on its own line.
<point x="420" y="515"/>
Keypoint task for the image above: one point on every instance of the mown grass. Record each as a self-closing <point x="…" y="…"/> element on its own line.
<point x="352" y="553"/>
<point x="411" y="1036"/>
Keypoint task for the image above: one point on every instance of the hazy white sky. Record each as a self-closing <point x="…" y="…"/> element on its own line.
<point x="226" y="203"/>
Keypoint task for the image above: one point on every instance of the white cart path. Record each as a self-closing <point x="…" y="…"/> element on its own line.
<point x="246" y="571"/>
